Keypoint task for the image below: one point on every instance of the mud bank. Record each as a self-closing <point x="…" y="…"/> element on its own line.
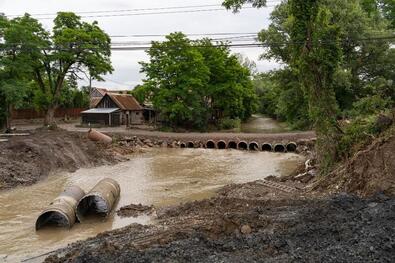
<point x="233" y="227"/>
<point x="24" y="160"/>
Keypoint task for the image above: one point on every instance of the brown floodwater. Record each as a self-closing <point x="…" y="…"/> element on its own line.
<point x="159" y="177"/>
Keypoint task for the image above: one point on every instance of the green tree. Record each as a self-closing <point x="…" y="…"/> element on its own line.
<point x="193" y="83"/>
<point x="13" y="75"/>
<point x="72" y="48"/>
<point x="177" y="77"/>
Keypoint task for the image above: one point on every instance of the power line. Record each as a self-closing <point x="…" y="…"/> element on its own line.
<point x="137" y="9"/>
<point x="192" y="34"/>
<point x="152" y="13"/>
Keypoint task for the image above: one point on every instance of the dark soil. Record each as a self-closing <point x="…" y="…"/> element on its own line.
<point x="133" y="210"/>
<point x="342" y="228"/>
<point x="24" y="160"/>
<point x="370" y="171"/>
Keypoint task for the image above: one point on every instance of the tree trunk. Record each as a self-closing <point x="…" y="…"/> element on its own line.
<point x="50" y="117"/>
<point x="8" y="118"/>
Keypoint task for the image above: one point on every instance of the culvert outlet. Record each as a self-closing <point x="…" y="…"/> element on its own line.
<point x="183" y="145"/>
<point x="279" y="148"/>
<point x="291" y="147"/>
<point x="267" y="147"/>
<point x="190" y="145"/>
<point x="61" y="212"/>
<point x="253" y="146"/>
<point x="210" y="144"/>
<point x="232" y="145"/>
<point x="100" y="200"/>
<point x="242" y="146"/>
<point x="221" y="145"/>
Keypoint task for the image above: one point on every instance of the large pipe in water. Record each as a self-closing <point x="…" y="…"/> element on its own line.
<point x="191" y="145"/>
<point x="221" y="145"/>
<point x="210" y="144"/>
<point x="253" y="146"/>
<point x="100" y="200"/>
<point x="279" y="148"/>
<point x="267" y="147"/>
<point x="61" y="212"/>
<point x="232" y="145"/>
<point x="242" y="145"/>
<point x="291" y="147"/>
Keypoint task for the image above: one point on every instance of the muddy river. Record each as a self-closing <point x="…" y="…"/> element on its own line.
<point x="160" y="177"/>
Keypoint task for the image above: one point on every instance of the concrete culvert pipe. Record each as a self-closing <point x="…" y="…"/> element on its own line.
<point x="232" y="145"/>
<point x="291" y="147"/>
<point x="242" y="146"/>
<point x="210" y="144"/>
<point x="190" y="145"/>
<point x="183" y="145"/>
<point x="221" y="145"/>
<point x="253" y="146"/>
<point x="61" y="212"/>
<point x="267" y="147"/>
<point x="279" y="148"/>
<point x="100" y="200"/>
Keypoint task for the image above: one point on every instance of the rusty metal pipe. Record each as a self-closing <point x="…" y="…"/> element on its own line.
<point x="100" y="200"/>
<point x="61" y="212"/>
<point x="99" y="137"/>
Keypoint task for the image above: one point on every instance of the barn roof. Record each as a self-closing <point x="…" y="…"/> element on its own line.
<point x="101" y="110"/>
<point x="125" y="101"/>
<point x="94" y="101"/>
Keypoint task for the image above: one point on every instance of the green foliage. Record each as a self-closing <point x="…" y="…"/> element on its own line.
<point x="281" y="96"/>
<point x="228" y="124"/>
<point x="72" y="48"/>
<point x="193" y="82"/>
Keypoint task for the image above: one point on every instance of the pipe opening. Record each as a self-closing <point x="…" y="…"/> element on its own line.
<point x="291" y="147"/>
<point x="52" y="219"/>
<point x="242" y="146"/>
<point x="183" y="145"/>
<point x="232" y="145"/>
<point x="190" y="145"/>
<point x="266" y="147"/>
<point x="221" y="145"/>
<point x="92" y="205"/>
<point x="279" y="148"/>
<point x="210" y="145"/>
<point x="253" y="146"/>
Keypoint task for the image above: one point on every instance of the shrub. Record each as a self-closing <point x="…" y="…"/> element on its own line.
<point x="227" y="124"/>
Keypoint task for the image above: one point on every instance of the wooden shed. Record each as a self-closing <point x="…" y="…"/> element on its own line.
<point x="102" y="116"/>
<point x="131" y="110"/>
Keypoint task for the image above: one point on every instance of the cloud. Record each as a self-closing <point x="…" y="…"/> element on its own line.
<point x="126" y="63"/>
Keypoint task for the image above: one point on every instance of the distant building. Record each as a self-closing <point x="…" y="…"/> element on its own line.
<point x="124" y="107"/>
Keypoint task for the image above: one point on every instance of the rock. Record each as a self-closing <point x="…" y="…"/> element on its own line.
<point x="245" y="229"/>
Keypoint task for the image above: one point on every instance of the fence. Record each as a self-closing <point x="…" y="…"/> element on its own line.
<point x="33" y="114"/>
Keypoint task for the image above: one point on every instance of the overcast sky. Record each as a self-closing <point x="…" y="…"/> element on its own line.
<point x="125" y="63"/>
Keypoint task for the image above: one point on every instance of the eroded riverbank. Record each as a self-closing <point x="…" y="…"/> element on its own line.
<point x="159" y="177"/>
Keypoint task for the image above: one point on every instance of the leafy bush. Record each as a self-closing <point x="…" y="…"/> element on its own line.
<point x="227" y="124"/>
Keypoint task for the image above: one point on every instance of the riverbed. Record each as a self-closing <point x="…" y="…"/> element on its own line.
<point x="160" y="177"/>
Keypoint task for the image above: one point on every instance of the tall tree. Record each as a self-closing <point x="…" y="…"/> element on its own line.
<point x="73" y="47"/>
<point x="176" y="77"/>
<point x="314" y="53"/>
